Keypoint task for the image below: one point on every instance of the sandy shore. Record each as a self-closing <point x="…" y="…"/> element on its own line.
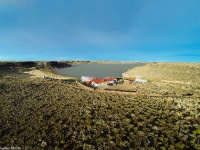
<point x="48" y="74"/>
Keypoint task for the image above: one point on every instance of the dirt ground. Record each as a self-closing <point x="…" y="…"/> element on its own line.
<point x="127" y="86"/>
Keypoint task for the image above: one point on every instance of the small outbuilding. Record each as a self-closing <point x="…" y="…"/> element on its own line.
<point x="139" y="80"/>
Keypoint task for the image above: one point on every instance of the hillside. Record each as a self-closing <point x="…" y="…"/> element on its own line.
<point x="183" y="72"/>
<point x="172" y="79"/>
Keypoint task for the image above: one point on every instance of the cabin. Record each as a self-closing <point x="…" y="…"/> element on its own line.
<point x="139" y="80"/>
<point x="98" y="82"/>
<point x="103" y="81"/>
<point x="110" y="79"/>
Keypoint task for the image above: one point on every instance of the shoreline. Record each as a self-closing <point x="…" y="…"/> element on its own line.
<point x="147" y="71"/>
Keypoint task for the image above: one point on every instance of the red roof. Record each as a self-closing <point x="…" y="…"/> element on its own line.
<point x="98" y="80"/>
<point x="102" y="80"/>
<point x="109" y="79"/>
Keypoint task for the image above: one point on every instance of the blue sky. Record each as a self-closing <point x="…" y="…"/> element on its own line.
<point x="132" y="30"/>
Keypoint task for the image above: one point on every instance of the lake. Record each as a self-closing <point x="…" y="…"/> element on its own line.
<point x="97" y="70"/>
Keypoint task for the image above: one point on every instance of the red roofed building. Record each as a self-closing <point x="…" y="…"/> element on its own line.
<point x="109" y="79"/>
<point x="97" y="82"/>
<point x="102" y="81"/>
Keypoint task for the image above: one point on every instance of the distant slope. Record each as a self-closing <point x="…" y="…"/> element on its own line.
<point x="184" y="72"/>
<point x="38" y="64"/>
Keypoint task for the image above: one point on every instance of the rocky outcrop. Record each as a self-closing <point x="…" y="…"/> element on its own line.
<point x="55" y="64"/>
<point x="39" y="64"/>
<point x="13" y="66"/>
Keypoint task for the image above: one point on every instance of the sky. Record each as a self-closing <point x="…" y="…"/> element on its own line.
<point x="128" y="30"/>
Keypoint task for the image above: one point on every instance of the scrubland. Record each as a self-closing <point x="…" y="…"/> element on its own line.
<point x="168" y="79"/>
<point x="38" y="113"/>
<point x="180" y="72"/>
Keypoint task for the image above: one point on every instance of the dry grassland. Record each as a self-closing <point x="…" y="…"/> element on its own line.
<point x="60" y="114"/>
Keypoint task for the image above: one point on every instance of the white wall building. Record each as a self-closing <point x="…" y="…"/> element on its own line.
<point x="140" y="80"/>
<point x="86" y="78"/>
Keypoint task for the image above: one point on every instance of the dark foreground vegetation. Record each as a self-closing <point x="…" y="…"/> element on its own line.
<point x="56" y="114"/>
<point x="39" y="65"/>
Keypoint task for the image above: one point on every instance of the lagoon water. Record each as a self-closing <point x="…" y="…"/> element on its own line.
<point x="97" y="70"/>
